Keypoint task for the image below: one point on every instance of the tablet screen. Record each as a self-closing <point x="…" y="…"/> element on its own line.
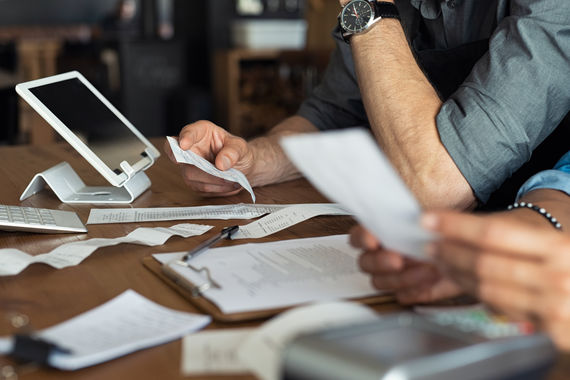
<point x="88" y="118"/>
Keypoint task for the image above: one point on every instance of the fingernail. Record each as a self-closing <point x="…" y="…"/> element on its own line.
<point x="430" y="221"/>
<point x="226" y="163"/>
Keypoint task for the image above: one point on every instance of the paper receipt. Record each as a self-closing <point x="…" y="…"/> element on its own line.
<point x="191" y="158"/>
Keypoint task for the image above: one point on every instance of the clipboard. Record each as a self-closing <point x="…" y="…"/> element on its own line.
<point x="195" y="294"/>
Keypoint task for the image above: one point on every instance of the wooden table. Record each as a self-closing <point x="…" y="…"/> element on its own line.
<point x="49" y="296"/>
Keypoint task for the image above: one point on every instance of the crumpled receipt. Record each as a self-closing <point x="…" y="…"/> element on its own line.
<point x="191" y="158"/>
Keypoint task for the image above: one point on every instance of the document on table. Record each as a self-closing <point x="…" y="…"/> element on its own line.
<point x="191" y="158"/>
<point x="264" y="276"/>
<point x="13" y="261"/>
<point x="349" y="168"/>
<point x="223" y="212"/>
<point x="123" y="325"/>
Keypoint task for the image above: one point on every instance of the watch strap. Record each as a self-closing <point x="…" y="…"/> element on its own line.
<point x="385" y="9"/>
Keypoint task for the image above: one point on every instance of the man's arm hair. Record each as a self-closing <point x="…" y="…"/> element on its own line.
<point x="402" y="106"/>
<point x="270" y="164"/>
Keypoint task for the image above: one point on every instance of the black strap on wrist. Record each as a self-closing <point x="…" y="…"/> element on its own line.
<point x="386" y="9"/>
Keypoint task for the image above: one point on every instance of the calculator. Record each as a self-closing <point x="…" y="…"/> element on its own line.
<point x="407" y="346"/>
<point x="32" y="219"/>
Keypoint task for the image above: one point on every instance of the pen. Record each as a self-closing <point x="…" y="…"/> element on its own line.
<point x="226" y="233"/>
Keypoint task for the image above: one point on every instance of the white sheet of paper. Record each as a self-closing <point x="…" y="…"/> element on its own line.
<point x="262" y="350"/>
<point x="214" y="352"/>
<point x="349" y="168"/>
<point x="278" y="274"/>
<point x="13" y="261"/>
<point x="286" y="218"/>
<point x="191" y="158"/>
<point x="127" y="323"/>
<point x="223" y="212"/>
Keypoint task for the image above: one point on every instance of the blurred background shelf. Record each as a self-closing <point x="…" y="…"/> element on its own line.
<point x="166" y="63"/>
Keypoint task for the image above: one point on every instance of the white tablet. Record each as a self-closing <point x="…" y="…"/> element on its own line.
<point x="91" y="124"/>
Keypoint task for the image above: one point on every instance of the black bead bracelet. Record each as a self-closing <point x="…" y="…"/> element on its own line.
<point x="538" y="209"/>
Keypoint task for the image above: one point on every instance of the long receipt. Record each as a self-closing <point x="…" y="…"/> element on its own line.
<point x="222" y="212"/>
<point x="191" y="158"/>
<point x="125" y="324"/>
<point x="285" y="218"/>
<point x="350" y="169"/>
<point x="13" y="261"/>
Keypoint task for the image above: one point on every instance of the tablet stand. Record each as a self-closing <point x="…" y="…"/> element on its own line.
<point x="69" y="188"/>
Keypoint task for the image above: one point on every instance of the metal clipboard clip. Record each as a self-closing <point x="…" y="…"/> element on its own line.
<point x="197" y="290"/>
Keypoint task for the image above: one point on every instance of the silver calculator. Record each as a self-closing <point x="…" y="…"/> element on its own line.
<point x="32" y="219"/>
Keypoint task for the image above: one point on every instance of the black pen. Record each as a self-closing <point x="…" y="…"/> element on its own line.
<point x="226" y="233"/>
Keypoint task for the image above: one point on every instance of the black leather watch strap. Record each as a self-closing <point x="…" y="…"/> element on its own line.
<point x="385" y="9"/>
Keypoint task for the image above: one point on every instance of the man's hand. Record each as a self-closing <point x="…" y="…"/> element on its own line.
<point x="520" y="268"/>
<point x="411" y="281"/>
<point x="261" y="160"/>
<point x="218" y="146"/>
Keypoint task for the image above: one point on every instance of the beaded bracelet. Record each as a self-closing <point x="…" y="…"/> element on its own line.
<point x="538" y="209"/>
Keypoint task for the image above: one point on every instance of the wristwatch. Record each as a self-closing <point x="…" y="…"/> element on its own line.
<point x="358" y="16"/>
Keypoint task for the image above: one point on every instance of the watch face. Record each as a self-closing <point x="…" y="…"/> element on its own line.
<point x="356" y="15"/>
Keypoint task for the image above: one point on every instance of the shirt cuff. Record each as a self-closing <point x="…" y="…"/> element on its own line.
<point x="548" y="179"/>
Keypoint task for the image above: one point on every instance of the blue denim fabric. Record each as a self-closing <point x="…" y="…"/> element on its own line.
<point x="556" y="179"/>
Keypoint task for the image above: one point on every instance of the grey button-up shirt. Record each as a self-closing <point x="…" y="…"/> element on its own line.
<point x="513" y="98"/>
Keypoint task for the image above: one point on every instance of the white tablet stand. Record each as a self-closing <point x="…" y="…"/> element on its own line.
<point x="69" y="188"/>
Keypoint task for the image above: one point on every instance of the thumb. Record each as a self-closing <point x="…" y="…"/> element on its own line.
<point x="234" y="150"/>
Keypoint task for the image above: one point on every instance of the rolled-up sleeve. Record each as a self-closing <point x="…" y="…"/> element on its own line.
<point x="514" y="97"/>
<point x="336" y="101"/>
<point x="555" y="179"/>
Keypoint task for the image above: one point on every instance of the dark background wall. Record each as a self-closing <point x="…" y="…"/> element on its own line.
<point x="164" y="82"/>
<point x="35" y="12"/>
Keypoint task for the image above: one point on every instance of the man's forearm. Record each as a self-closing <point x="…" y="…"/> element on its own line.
<point x="270" y="164"/>
<point x="401" y="106"/>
